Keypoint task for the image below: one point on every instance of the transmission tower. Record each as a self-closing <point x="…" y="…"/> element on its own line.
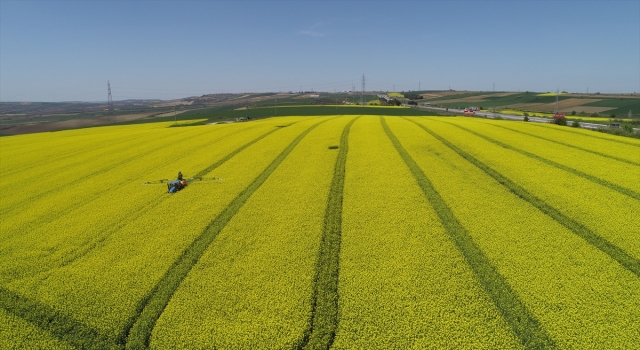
<point x="110" y="100"/>
<point x="362" y="96"/>
<point x="555" y="109"/>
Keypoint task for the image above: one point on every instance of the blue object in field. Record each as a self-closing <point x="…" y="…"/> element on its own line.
<point x="173" y="186"/>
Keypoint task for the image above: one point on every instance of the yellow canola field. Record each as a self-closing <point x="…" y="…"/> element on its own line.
<point x="403" y="284"/>
<point x="253" y="286"/>
<point x="602" y="210"/>
<point x="590" y="134"/>
<point x="88" y="210"/>
<point x="16" y="333"/>
<point x="131" y="259"/>
<point x="84" y="245"/>
<point x="567" y="283"/>
<point x="606" y="169"/>
<point x="615" y="150"/>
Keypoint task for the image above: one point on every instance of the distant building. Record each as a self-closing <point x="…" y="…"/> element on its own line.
<point x="314" y="96"/>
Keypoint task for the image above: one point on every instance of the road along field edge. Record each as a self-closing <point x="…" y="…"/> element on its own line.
<point x="152" y="306"/>
<point x="324" y="319"/>
<point x="616" y="253"/>
<point x="515" y="313"/>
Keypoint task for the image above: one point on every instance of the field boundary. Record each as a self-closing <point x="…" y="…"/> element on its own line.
<point x="591" y="178"/>
<point x="568" y="145"/>
<point x="524" y="324"/>
<point x="616" y="253"/>
<point x="324" y="306"/>
<point x="61" y="326"/>
<point x="141" y="325"/>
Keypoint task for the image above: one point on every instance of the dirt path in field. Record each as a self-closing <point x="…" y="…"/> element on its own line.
<point x="70" y="124"/>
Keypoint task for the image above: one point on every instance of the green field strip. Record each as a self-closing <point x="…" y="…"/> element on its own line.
<point x="325" y="295"/>
<point x="153" y="305"/>
<point x="403" y="282"/>
<point x="135" y="258"/>
<point x="61" y="326"/>
<point x="625" y="160"/>
<point x="259" y="271"/>
<point x="616" y="253"/>
<point x="590" y="133"/>
<point x="571" y="287"/>
<point x="521" y="320"/>
<point x="598" y="180"/>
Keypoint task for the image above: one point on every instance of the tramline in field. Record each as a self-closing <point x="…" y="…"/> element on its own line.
<point x="492" y="234"/>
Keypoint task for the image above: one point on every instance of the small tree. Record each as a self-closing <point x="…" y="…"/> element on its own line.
<point x="575" y="124"/>
<point x="526" y="118"/>
<point x="560" y="121"/>
<point x="573" y="112"/>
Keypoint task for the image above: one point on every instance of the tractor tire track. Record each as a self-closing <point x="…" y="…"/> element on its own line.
<point x="616" y="253"/>
<point x="324" y="305"/>
<point x="26" y="226"/>
<point x="141" y="325"/>
<point x="63" y="327"/>
<point x="18" y="205"/>
<point x="522" y="321"/>
<point x="148" y="206"/>
<point x="612" y="186"/>
<point x="59" y="324"/>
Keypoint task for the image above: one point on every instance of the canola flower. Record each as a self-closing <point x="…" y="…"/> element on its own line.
<point x="16" y="333"/>
<point x="603" y="168"/>
<point x="131" y="259"/>
<point x="254" y="284"/>
<point x="403" y="284"/>
<point x="556" y="273"/>
<point x="614" y="150"/>
<point x="85" y="249"/>
<point x="600" y="209"/>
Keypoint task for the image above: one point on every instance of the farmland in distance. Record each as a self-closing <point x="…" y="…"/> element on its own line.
<point x="343" y="232"/>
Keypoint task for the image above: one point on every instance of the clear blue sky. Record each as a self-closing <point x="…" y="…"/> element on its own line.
<point x="67" y="50"/>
